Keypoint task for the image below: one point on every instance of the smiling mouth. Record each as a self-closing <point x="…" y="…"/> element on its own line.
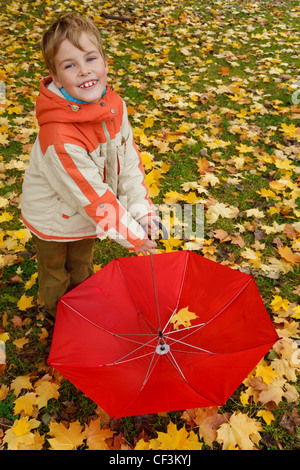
<point x="88" y="84"/>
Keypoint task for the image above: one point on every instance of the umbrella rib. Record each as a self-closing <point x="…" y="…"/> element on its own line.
<point x="202" y="325"/>
<point x="176" y="366"/>
<point x="148" y="373"/>
<point x="132" y="352"/>
<point x="180" y="291"/>
<point x="120" y="361"/>
<point x="155" y="294"/>
<point x="230" y="301"/>
<point x="141" y="315"/>
<point x="121" y="335"/>
<point x="204" y="351"/>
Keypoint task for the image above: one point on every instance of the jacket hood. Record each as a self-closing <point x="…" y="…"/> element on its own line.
<point x="53" y="107"/>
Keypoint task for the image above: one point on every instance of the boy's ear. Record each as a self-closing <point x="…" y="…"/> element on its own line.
<point x="106" y="61"/>
<point x="55" y="80"/>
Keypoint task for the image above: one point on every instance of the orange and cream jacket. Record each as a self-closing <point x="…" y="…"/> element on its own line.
<point x="85" y="177"/>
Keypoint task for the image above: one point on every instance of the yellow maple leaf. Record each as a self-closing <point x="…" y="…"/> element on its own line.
<point x="144" y="140"/>
<point x="267" y="193"/>
<point x="20" y="382"/>
<point x="3" y="202"/>
<point x="289" y="131"/>
<point x="147" y="160"/>
<point x="153" y="190"/>
<point x="4" y="337"/>
<point x="266" y="373"/>
<point x="173" y="439"/>
<point x="66" y="438"/>
<point x="22" y="427"/>
<point x="19" y="434"/>
<point x="149" y="122"/>
<point x="25" y="403"/>
<point x="96" y="436"/>
<point x="287" y="254"/>
<point x="31" y="281"/>
<point x="15" y="110"/>
<point x="220" y="209"/>
<point x="25" y="302"/>
<point x="267" y="416"/>
<point x="171" y="244"/>
<point x="240" y="431"/>
<point x="245" y="148"/>
<point x="46" y="390"/>
<point x="20" y="342"/>
<point x="296" y="315"/>
<point x="6" y="217"/>
<point x="278" y="303"/>
<point x="171" y="197"/>
<point x="183" y="318"/>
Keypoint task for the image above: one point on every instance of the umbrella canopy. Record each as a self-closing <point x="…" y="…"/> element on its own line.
<point x="116" y="340"/>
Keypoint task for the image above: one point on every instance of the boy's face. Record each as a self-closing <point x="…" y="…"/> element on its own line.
<point x="82" y="73"/>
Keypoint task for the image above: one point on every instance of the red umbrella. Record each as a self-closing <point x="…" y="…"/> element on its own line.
<point x="115" y="340"/>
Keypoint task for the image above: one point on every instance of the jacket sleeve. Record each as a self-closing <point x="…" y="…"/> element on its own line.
<point x="131" y="183"/>
<point x="75" y="178"/>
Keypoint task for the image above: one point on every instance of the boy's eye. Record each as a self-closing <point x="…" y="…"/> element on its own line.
<point x="91" y="58"/>
<point x="68" y="66"/>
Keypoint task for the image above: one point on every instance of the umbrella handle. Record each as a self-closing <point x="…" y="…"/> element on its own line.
<point x="162" y="228"/>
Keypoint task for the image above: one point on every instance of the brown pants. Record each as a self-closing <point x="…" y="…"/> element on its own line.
<point x="61" y="266"/>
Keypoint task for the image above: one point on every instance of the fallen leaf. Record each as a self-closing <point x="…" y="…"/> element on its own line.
<point x="240" y="431"/>
<point x="25" y="302"/>
<point x="66" y="438"/>
<point x="96" y="435"/>
<point x="286" y="253"/>
<point x="20" y="434"/>
<point x="173" y="439"/>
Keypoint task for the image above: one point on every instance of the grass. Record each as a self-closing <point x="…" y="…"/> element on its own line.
<point x="177" y="50"/>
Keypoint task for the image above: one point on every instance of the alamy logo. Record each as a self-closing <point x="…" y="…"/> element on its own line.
<point x="296" y="354"/>
<point x="296" y="94"/>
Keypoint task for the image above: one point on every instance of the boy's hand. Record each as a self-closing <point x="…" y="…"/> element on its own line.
<point x="147" y="247"/>
<point x="148" y="224"/>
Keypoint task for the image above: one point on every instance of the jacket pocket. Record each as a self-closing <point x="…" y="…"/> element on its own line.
<point x="65" y="210"/>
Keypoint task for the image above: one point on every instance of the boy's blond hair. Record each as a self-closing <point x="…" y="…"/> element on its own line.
<point x="68" y="26"/>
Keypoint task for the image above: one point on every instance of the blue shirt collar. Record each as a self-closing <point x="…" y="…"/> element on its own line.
<point x="75" y="100"/>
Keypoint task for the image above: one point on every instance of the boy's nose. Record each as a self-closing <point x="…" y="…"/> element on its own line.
<point x="84" y="69"/>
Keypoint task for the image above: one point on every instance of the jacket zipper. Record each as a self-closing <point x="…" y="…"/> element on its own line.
<point x="108" y="139"/>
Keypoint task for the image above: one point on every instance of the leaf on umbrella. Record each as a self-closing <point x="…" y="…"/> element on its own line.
<point x="183" y="318"/>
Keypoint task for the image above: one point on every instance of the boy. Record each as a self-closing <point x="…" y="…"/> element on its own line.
<point x="85" y="177"/>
